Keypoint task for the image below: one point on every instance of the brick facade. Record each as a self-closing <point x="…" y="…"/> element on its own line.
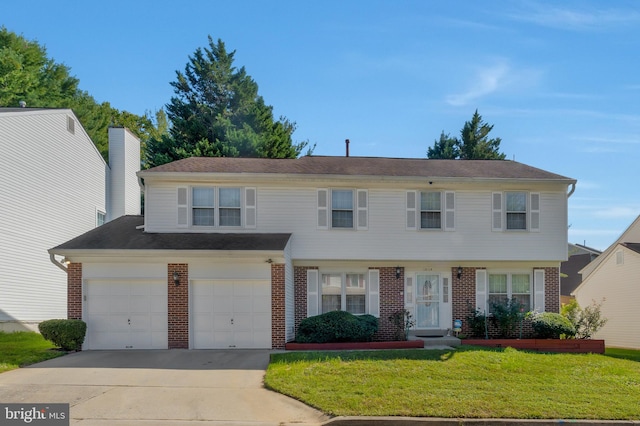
<point x="178" y="306"/>
<point x="278" y="321"/>
<point x="74" y="291"/>
<point x="463" y="297"/>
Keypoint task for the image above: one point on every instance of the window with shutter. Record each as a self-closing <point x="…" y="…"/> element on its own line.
<point x="323" y="208"/>
<point x="363" y="207"/>
<point x="411" y="209"/>
<point x="496" y="208"/>
<point x="481" y="290"/>
<point x="534" y="211"/>
<point x="250" y="208"/>
<point x="183" y="207"/>
<point x="449" y="208"/>
<point x="312" y="292"/>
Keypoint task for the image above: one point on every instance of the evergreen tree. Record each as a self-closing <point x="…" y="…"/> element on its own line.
<point x="216" y="111"/>
<point x="474" y="143"/>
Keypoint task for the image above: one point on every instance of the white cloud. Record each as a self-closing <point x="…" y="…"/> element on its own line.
<point x="491" y="79"/>
<point x="618" y="212"/>
<point x="570" y="19"/>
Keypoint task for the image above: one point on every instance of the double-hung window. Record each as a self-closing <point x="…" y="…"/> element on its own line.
<point x="504" y="287"/>
<point x="344" y="292"/>
<point x="516" y="210"/>
<point x="342" y="208"/>
<point x="430" y="210"/>
<point x="212" y="206"/>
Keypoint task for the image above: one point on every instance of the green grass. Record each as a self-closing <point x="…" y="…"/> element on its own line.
<point x="623" y="353"/>
<point x="469" y="382"/>
<point x="24" y="348"/>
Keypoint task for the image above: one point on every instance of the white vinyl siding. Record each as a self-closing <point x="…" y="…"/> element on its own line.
<point x="53" y="182"/>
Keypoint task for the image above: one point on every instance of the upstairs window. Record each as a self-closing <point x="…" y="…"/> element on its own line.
<point x="101" y="218"/>
<point x="342" y="208"/>
<point x="203" y="207"/>
<point x="230" y="208"/>
<point x="516" y="210"/>
<point x="430" y="210"/>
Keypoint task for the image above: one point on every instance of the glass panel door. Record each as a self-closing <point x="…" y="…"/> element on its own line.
<point x="427" y="301"/>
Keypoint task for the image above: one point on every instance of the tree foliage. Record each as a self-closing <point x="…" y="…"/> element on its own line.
<point x="474" y="143"/>
<point x="216" y="111"/>
<point x="27" y="74"/>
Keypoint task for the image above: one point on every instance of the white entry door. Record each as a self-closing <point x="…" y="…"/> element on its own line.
<point x="126" y="314"/>
<point x="427" y="298"/>
<point x="228" y="314"/>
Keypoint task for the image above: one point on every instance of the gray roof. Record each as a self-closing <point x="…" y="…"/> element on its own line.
<point x="27" y="109"/>
<point x="121" y="234"/>
<point x="361" y="166"/>
<point x="632" y="246"/>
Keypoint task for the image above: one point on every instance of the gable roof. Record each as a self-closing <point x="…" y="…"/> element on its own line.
<point x="608" y="255"/>
<point x="361" y="166"/>
<point x="124" y="234"/>
<point x="632" y="246"/>
<point x="631" y="234"/>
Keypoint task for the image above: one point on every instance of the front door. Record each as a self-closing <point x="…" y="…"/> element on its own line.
<point x="427" y="301"/>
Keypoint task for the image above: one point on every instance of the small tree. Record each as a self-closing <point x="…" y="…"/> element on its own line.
<point x="507" y="315"/>
<point x="586" y="321"/>
<point x="402" y="321"/>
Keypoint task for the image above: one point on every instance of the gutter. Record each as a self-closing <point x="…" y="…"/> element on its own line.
<point x="573" y="189"/>
<point x="61" y="265"/>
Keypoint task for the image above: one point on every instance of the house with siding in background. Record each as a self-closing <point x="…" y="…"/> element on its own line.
<point x="55" y="185"/>
<point x="235" y="252"/>
<point x="613" y="280"/>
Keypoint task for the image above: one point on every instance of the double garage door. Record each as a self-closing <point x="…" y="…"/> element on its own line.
<point x="224" y="314"/>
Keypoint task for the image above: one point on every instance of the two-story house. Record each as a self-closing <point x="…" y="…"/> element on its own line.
<point x="54" y="186"/>
<point x="235" y="252"/>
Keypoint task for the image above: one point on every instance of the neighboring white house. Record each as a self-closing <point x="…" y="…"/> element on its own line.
<point x="614" y="279"/>
<point x="54" y="186"/>
<point x="235" y="252"/>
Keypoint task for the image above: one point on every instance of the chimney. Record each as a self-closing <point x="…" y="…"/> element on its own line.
<point x="346" y="141"/>
<point x="123" y="192"/>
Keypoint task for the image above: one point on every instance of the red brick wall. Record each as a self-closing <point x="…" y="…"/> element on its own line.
<point x="178" y="306"/>
<point x="278" y="322"/>
<point x="391" y="300"/>
<point x="74" y="291"/>
<point x="300" y="293"/>
<point x="552" y="289"/>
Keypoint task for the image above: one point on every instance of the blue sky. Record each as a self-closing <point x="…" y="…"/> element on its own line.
<point x="560" y="81"/>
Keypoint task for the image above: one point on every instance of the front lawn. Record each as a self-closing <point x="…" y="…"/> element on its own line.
<point x="469" y="382"/>
<point x="24" y="348"/>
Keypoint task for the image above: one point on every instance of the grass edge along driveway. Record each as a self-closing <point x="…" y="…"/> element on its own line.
<point x="24" y="348"/>
<point x="469" y="382"/>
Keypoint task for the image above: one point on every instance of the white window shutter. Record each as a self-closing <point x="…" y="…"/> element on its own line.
<point x="313" y="295"/>
<point x="323" y="209"/>
<point x="496" y="209"/>
<point x="183" y="207"/>
<point x="250" y="208"/>
<point x="534" y="225"/>
<point x="449" y="211"/>
<point x="374" y="292"/>
<point x="408" y="294"/>
<point x="362" y="207"/>
<point x="538" y="290"/>
<point x="411" y="204"/>
<point x="481" y="290"/>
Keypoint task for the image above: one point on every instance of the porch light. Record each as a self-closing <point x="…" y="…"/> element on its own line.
<point x="398" y="271"/>
<point x="176" y="278"/>
<point x="459" y="271"/>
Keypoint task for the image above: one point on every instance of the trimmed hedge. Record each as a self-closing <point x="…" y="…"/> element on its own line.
<point x="337" y="326"/>
<point x="67" y="334"/>
<point x="550" y="325"/>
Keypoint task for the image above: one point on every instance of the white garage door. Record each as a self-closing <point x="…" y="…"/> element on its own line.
<point x="126" y="314"/>
<point x="231" y="314"/>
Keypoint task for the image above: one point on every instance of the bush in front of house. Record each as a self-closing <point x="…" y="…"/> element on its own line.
<point x="550" y="325"/>
<point x="67" y="334"/>
<point x="337" y="326"/>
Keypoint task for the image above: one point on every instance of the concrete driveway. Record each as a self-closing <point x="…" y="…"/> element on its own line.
<point x="176" y="387"/>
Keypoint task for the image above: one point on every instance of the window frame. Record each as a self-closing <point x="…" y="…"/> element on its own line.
<point x="100" y="214"/>
<point x="216" y="207"/>
<point x="333" y="209"/>
<point x="440" y="211"/>
<point x="525" y="212"/>
<point x="500" y="214"/>
<point x="509" y="295"/>
<point x="344" y="294"/>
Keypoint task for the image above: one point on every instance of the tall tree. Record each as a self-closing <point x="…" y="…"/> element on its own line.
<point x="27" y="74"/>
<point x="474" y="143"/>
<point x="216" y="111"/>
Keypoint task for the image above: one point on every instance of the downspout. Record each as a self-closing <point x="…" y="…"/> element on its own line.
<point x="60" y="265"/>
<point x="573" y="189"/>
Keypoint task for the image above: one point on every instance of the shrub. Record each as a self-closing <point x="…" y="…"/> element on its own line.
<point x="337" y="326"/>
<point x="67" y="334"/>
<point x="477" y="321"/>
<point x="402" y="321"/>
<point x="507" y="315"/>
<point x="586" y="321"/>
<point x="550" y="325"/>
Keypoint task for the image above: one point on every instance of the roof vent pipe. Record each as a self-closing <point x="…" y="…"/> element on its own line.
<point x="346" y="141"/>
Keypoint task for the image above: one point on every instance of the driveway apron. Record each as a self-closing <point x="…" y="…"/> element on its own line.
<point x="176" y="387"/>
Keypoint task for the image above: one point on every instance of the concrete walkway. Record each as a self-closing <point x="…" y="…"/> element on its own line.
<point x="176" y="387"/>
